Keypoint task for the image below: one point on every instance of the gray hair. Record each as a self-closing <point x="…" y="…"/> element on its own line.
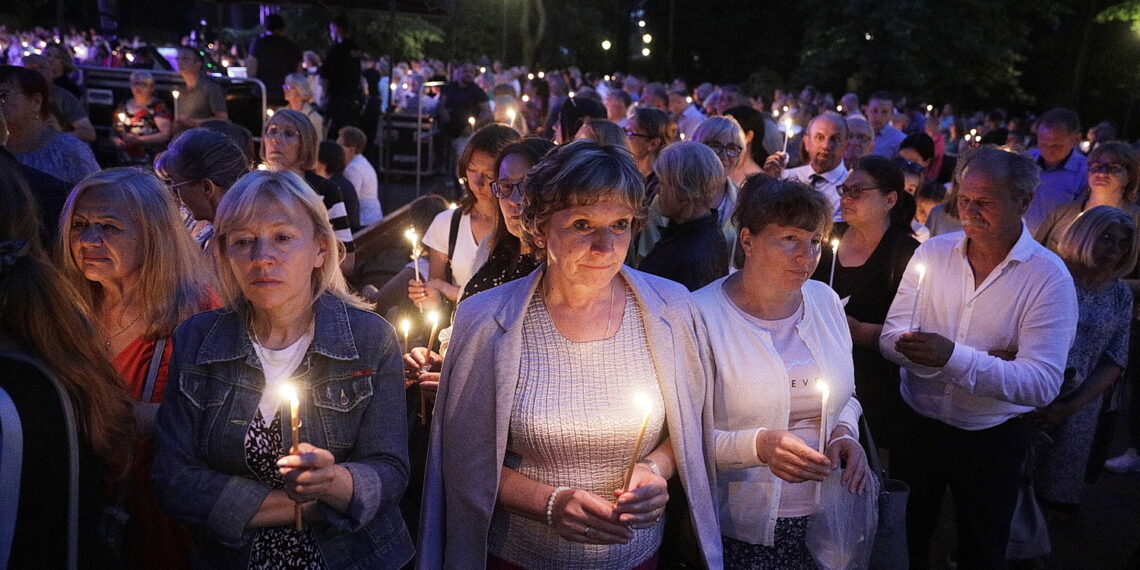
<point x="1013" y="171"/>
<point x="691" y="170"/>
<point x="299" y="83"/>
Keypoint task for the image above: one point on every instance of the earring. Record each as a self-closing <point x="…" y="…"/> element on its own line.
<point x="539" y="242"/>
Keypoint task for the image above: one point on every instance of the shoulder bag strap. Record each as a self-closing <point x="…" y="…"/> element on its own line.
<point x="452" y="237"/>
<point x="152" y="370"/>
<point x="72" y="446"/>
<point x="11" y="462"/>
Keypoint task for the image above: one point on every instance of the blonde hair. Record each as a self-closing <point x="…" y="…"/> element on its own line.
<point x="172" y="285"/>
<point x="250" y="195"/>
<point x="307" y="134"/>
<point x="1079" y="239"/>
<point x="299" y="83"/>
<point x="691" y="170"/>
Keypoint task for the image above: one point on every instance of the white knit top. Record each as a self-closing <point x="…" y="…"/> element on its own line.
<point x="575" y="423"/>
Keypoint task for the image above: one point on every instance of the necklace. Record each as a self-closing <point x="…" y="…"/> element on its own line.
<point x="609" y="308"/>
<point x="107" y="340"/>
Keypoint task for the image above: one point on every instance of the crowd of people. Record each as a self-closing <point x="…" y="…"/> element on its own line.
<point x="663" y="320"/>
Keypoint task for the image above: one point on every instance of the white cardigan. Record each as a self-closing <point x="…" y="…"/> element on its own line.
<point x="751" y="393"/>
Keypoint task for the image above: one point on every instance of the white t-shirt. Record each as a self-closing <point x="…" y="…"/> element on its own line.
<point x="796" y="499"/>
<point x="363" y="177"/>
<point x="463" y="259"/>
<point x="279" y="366"/>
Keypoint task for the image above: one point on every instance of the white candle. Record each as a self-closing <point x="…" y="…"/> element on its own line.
<point x="406" y="328"/>
<point x="175" y="94"/>
<point x="917" y="296"/>
<point x="288" y="392"/>
<point x="834" y="256"/>
<point x="471" y="121"/>
<point x="433" y="318"/>
<point x="787" y="132"/>
<point x="416" y="251"/>
<point x="825" y="395"/>
<point x="642" y="402"/>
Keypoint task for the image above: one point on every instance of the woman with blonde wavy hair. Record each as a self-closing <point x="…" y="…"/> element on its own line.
<point x="326" y="496"/>
<point x="124" y="248"/>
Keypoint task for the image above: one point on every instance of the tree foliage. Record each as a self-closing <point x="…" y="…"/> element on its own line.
<point x="1128" y="12"/>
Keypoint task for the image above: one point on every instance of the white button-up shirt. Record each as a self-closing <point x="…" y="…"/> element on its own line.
<point x="1026" y="305"/>
<point x="831" y="179"/>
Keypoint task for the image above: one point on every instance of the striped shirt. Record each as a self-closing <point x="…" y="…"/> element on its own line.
<point x="338" y="215"/>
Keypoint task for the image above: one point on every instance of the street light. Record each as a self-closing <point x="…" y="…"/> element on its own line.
<point x="641" y="23"/>
<point x="645" y="52"/>
<point x="647" y="38"/>
<point x="606" y="45"/>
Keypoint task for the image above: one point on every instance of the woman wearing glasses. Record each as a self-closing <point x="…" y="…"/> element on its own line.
<point x="874" y="246"/>
<point x="726" y="138"/>
<point x="290" y="143"/>
<point x="142" y="123"/>
<point x="1113" y="180"/>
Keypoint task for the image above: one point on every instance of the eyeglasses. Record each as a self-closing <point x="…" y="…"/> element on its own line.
<point x="276" y="132"/>
<point x="730" y="150"/>
<point x="505" y="189"/>
<point x="174" y="185"/>
<point x="1106" y="168"/>
<point x="854" y="193"/>
<point x="630" y="133"/>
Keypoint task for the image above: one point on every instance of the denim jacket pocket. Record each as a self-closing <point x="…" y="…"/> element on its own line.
<point x="340" y="404"/>
<point x="203" y="392"/>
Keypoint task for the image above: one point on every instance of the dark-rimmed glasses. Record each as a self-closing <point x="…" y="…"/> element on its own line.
<point x="853" y="192"/>
<point x="505" y="189"/>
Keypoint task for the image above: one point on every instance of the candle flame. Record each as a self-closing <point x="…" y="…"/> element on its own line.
<point x="392" y="86"/>
<point x="530" y="76"/>
<point x="921" y="271"/>
<point x="288" y="392"/>
<point x="541" y="74"/>
<point x="433" y="317"/>
<point x="526" y="98"/>
<point x="122" y="117"/>
<point x="839" y="108"/>
<point x="823" y="388"/>
<point x="788" y="124"/>
<point x="412" y="236"/>
<point x="835" y="245"/>
<point x="269" y="113"/>
<point x="511" y="114"/>
<point x="175" y="94"/>
<point x="471" y="121"/>
<point x="452" y="206"/>
<point x="642" y="401"/>
<point x="406" y="326"/>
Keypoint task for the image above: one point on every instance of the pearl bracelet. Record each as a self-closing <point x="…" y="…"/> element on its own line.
<point x="844" y="436"/>
<point x="550" y="504"/>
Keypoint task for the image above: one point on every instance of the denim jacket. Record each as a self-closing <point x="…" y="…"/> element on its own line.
<point x="352" y="404"/>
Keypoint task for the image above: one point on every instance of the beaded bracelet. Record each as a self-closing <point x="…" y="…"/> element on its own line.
<point x="550" y="504"/>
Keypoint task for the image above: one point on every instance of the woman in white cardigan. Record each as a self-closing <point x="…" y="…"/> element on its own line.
<point x="775" y="337"/>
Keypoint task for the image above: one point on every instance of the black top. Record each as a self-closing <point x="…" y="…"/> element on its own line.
<point x="503" y="265"/>
<point x="461" y="102"/>
<point x="331" y="195"/>
<point x="341" y="69"/>
<point x="693" y="254"/>
<point x="277" y="57"/>
<point x="40" y="540"/>
<point x="351" y="200"/>
<point x="870" y="288"/>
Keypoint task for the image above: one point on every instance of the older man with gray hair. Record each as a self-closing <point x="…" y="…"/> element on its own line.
<point x="981" y="328"/>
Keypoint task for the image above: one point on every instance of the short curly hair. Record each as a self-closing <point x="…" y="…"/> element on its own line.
<point x="581" y="173"/>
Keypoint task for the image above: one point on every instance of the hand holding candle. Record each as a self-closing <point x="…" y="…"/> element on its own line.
<point x="288" y="392"/>
<point x="645" y="405"/>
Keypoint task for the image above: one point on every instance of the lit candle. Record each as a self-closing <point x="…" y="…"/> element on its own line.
<point x="917" y="295"/>
<point x="968" y="137"/>
<point x="269" y="113"/>
<point x="416" y="250"/>
<point x="406" y="328"/>
<point x="123" y="118"/>
<point x="288" y="392"/>
<point x="787" y="132"/>
<point x="824" y="396"/>
<point x="433" y="317"/>
<point x="834" y="256"/>
<point x="775" y="113"/>
<point x="541" y="74"/>
<point x="511" y="114"/>
<point x="530" y="76"/>
<point x="642" y="402"/>
<point x="175" y="94"/>
<point x="526" y="98"/>
<point x="839" y="108"/>
<point x="471" y="121"/>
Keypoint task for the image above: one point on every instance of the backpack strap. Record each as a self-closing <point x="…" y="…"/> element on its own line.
<point x="11" y="462"/>
<point x="8" y="351"/>
<point x="452" y="237"/>
<point x="152" y="370"/>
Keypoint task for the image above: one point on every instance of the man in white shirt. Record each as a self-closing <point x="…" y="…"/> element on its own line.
<point x="997" y="313"/>
<point x="825" y="144"/>
<point x="360" y="173"/>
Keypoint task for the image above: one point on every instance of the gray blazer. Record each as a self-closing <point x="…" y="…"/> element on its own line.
<point x="476" y="394"/>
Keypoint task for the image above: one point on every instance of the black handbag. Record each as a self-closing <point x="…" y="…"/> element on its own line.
<point x="890" y="550"/>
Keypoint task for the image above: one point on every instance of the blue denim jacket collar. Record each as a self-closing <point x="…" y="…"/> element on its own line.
<point x="228" y="339"/>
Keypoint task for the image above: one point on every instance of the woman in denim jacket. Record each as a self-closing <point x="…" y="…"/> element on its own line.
<point x="224" y="463"/>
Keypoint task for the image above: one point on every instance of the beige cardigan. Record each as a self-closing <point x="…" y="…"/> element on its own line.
<point x="476" y="394"/>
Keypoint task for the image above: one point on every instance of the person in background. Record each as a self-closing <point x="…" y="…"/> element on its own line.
<point x="1113" y="179"/>
<point x="142" y="123"/>
<point x="542" y="486"/>
<point x="1099" y="248"/>
<point x="200" y="166"/>
<point x="773" y="335"/>
<point x="649" y="131"/>
<point x="310" y="66"/>
<point x="300" y="98"/>
<point x="824" y="144"/>
<point x="360" y="173"/>
<point x="123" y="248"/>
<point x="686" y="115"/>
<point x="230" y="468"/>
<point x="604" y="132"/>
<point x="919" y="149"/>
<point x="692" y="250"/>
<point x="290" y="143"/>
<point x="45" y="332"/>
<point x="725" y="137"/>
<point x="66" y="108"/>
<point x="617" y="102"/>
<point x="751" y="122"/>
<point x="62" y="69"/>
<point x="1063" y="168"/>
<point x="973" y="362"/>
<point x="454" y="236"/>
<point x="930" y="195"/>
<point x="344" y="99"/>
<point x="860" y="140"/>
<point x="203" y="99"/>
<point x="25" y="99"/>
<point x="875" y="244"/>
<point x="272" y="57"/>
<point x="330" y="165"/>
<point x="574" y="113"/>
<point x="880" y="111"/>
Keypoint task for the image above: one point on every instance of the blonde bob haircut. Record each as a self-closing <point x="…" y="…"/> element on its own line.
<point x="249" y="196"/>
<point x="691" y="171"/>
<point x="718" y="127"/>
<point x="172" y="284"/>
<point x="1078" y="241"/>
<point x="310" y="143"/>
